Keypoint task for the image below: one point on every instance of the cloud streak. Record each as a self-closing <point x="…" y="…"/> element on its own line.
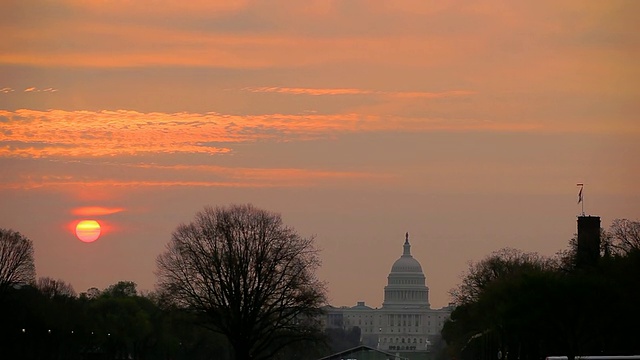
<point x="96" y="211"/>
<point x="35" y="89"/>
<point x="194" y="176"/>
<point x="272" y="175"/>
<point x="255" y="35"/>
<point x="31" y="89"/>
<point x="347" y="91"/>
<point x="77" y="134"/>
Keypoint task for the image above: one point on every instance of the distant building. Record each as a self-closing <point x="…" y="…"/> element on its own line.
<point x="405" y="323"/>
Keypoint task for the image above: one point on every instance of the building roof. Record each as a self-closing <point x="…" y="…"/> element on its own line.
<point x="361" y="306"/>
<point x="364" y="352"/>
<point x="406" y="262"/>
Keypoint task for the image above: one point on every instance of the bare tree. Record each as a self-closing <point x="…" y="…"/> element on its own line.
<point x="625" y="235"/>
<point x="252" y="277"/>
<point x="55" y="288"/>
<point x="16" y="259"/>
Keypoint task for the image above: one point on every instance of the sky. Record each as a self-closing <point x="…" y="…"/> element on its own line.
<point x="467" y="124"/>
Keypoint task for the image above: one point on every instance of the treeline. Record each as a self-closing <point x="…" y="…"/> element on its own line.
<point x="48" y="321"/>
<point x="517" y="305"/>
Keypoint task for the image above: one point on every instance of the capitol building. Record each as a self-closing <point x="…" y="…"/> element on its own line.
<point x="405" y="323"/>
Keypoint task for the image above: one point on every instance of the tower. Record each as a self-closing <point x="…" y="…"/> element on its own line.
<point x="588" y="251"/>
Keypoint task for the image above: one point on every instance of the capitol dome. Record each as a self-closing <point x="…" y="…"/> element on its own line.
<point x="406" y="263"/>
<point x="406" y="285"/>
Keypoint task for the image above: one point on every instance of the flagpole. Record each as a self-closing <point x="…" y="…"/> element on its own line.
<point x="581" y="196"/>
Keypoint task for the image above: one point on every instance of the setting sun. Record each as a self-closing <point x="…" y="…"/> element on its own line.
<point x="88" y="230"/>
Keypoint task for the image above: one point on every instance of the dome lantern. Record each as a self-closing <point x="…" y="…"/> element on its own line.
<point x="407" y="246"/>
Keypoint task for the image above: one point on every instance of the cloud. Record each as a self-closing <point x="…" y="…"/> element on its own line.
<point x="343" y="91"/>
<point x="6" y="90"/>
<point x="77" y="134"/>
<point x="58" y="133"/>
<point x="307" y="91"/>
<point x="111" y="183"/>
<point x="33" y="89"/>
<point x="192" y="176"/>
<point x="159" y="8"/>
<point x="95" y="211"/>
<point x="271" y="175"/>
<point x="464" y="36"/>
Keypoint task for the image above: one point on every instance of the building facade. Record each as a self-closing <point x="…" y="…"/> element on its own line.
<point x="405" y="322"/>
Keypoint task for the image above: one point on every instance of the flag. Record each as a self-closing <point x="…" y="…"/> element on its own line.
<point x="580" y="196"/>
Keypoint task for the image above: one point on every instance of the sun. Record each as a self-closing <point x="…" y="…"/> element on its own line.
<point x="88" y="230"/>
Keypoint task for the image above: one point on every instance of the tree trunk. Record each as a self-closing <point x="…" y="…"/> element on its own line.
<point x="241" y="351"/>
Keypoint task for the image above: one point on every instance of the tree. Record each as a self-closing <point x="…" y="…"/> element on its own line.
<point x="625" y="235"/>
<point x="53" y="288"/>
<point x="92" y="293"/>
<point x="499" y="303"/>
<point x="16" y="259"/>
<point x="500" y="264"/>
<point x="122" y="289"/>
<point x="250" y="276"/>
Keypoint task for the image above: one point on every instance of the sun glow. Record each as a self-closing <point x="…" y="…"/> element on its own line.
<point x="88" y="230"/>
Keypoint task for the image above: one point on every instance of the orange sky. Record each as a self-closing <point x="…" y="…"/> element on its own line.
<point x="467" y="124"/>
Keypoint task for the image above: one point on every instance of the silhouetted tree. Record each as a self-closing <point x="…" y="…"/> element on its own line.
<point x="500" y="264"/>
<point x="90" y="294"/>
<point x="625" y="235"/>
<point x="498" y="304"/>
<point x="52" y="288"/>
<point x="250" y="276"/>
<point x="122" y="324"/>
<point x="121" y="289"/>
<point x="16" y="259"/>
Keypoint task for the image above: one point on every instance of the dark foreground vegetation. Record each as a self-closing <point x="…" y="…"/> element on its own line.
<point x="120" y="323"/>
<point x="116" y="323"/>
<point x="516" y="305"/>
